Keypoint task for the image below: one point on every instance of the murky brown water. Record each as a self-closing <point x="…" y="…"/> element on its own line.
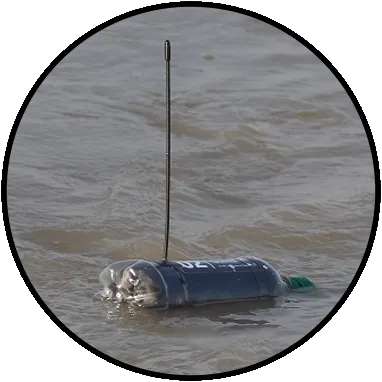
<point x="269" y="159"/>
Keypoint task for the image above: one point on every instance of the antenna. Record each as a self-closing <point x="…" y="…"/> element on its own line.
<point x="167" y="57"/>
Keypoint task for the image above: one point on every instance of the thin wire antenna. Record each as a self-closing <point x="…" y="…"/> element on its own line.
<point x="167" y="57"/>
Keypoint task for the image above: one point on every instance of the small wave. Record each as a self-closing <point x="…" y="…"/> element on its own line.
<point x="64" y="240"/>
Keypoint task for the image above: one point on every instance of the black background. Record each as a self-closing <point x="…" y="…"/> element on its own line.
<point x="33" y="346"/>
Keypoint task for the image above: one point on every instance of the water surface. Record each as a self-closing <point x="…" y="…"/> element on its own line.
<point x="269" y="159"/>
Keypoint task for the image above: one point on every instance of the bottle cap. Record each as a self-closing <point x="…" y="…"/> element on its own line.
<point x="299" y="284"/>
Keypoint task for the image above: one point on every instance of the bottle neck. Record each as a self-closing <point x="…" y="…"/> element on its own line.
<point x="286" y="282"/>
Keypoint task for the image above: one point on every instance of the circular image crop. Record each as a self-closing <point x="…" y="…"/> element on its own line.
<point x="191" y="191"/>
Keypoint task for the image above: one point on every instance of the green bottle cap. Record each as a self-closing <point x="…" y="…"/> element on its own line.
<point x="300" y="284"/>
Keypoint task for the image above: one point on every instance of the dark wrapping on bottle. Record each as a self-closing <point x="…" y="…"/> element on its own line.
<point x="179" y="283"/>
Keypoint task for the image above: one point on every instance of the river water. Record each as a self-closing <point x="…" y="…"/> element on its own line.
<point x="270" y="159"/>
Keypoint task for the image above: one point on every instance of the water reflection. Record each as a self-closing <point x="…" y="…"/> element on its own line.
<point x="227" y="314"/>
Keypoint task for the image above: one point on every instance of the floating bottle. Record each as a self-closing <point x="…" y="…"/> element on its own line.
<point x="167" y="284"/>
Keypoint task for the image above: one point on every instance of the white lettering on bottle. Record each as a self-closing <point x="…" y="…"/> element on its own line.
<point x="195" y="264"/>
